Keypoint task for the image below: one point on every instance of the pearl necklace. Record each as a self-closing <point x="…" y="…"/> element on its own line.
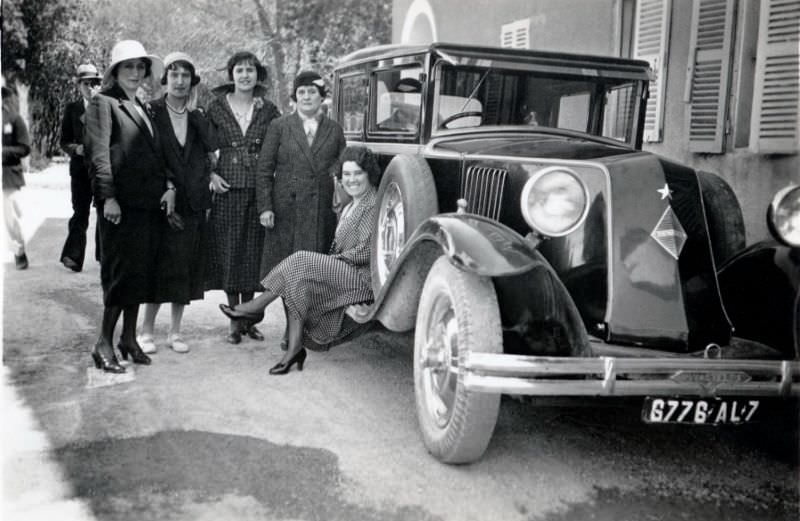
<point x="174" y="110"/>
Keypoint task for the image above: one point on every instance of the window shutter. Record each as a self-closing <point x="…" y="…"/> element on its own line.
<point x="708" y="78"/>
<point x="516" y="35"/>
<point x="650" y="43"/>
<point x="775" y="125"/>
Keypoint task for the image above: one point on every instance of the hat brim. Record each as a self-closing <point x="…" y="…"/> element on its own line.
<point x="156" y="67"/>
<point x="77" y="79"/>
<point x="226" y="88"/>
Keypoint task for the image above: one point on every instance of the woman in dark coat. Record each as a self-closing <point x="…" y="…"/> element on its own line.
<point x="187" y="141"/>
<point x="131" y="184"/>
<point x="317" y="288"/>
<point x="295" y="176"/>
<point x="240" y="116"/>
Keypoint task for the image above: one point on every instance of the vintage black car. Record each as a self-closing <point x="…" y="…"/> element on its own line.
<point x="537" y="250"/>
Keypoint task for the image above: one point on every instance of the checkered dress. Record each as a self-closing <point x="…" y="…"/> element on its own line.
<point x="319" y="287"/>
<point x="235" y="234"/>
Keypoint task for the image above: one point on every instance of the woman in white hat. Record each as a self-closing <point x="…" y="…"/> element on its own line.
<point x="186" y="140"/>
<point x="240" y="115"/>
<point x="131" y="185"/>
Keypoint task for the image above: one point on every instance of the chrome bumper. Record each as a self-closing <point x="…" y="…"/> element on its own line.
<point x="617" y="376"/>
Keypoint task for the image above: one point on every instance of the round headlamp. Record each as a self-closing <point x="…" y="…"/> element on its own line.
<point x="554" y="201"/>
<point x="783" y="216"/>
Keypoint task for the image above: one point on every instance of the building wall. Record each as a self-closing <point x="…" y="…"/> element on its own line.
<point x="605" y="27"/>
<point x="585" y="26"/>
<point x="754" y="177"/>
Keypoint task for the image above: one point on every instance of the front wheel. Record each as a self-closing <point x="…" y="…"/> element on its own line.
<point x="457" y="314"/>
<point x="406" y="197"/>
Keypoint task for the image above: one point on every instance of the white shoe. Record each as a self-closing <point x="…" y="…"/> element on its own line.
<point x="147" y="344"/>
<point x="177" y="344"/>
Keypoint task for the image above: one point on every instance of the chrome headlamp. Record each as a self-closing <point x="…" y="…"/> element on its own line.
<point x="783" y="216"/>
<point x="554" y="201"/>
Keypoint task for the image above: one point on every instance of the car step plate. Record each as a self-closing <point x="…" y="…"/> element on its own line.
<point x="699" y="411"/>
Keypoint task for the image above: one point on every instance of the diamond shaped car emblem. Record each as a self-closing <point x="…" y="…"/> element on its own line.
<point x="669" y="233"/>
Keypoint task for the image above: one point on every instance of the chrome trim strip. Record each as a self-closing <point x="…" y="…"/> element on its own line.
<point x="517" y="374"/>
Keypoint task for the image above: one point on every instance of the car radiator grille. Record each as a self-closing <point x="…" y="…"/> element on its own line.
<point x="482" y="188"/>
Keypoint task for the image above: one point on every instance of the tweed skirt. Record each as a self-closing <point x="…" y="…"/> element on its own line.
<point x="129" y="256"/>
<point x="235" y="240"/>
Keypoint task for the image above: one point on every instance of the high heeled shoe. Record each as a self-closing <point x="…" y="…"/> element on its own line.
<point x="236" y="314"/>
<point x="284" y="367"/>
<point x="137" y="355"/>
<point x="103" y="361"/>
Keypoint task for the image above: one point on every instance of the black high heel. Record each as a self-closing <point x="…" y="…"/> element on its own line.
<point x="235" y="314"/>
<point x="104" y="362"/>
<point x="283" y="368"/>
<point x="137" y="355"/>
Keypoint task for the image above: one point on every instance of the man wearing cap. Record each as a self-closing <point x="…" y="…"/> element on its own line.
<point x="88" y="81"/>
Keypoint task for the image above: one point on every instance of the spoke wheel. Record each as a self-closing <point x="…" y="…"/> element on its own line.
<point x="406" y="197"/>
<point x="457" y="314"/>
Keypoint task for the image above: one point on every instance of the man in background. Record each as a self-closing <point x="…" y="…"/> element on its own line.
<point x="88" y="81"/>
<point x="16" y="145"/>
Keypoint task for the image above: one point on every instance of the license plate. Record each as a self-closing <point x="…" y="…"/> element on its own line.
<point x="699" y="411"/>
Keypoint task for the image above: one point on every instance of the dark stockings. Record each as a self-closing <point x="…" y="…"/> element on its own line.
<point x="110" y="318"/>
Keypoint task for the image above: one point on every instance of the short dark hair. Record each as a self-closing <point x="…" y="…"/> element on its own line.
<point x="148" y="67"/>
<point x="364" y="158"/>
<point x="180" y="63"/>
<point x="246" y="57"/>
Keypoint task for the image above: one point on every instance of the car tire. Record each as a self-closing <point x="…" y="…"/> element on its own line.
<point x="723" y="215"/>
<point x="457" y="315"/>
<point x="406" y="197"/>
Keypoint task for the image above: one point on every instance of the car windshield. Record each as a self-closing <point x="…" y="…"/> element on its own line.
<point x="471" y="96"/>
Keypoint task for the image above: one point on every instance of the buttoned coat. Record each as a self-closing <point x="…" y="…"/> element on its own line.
<point x="238" y="153"/>
<point x="127" y="163"/>
<point x="236" y="236"/>
<point x="295" y="181"/>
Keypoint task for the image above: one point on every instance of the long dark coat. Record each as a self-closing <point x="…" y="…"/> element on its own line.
<point x="126" y="163"/>
<point x="295" y="181"/>
<point x="181" y="257"/>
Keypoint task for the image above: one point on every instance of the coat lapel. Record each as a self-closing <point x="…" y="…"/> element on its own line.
<point x="129" y="107"/>
<point x="323" y="132"/>
<point x="299" y="134"/>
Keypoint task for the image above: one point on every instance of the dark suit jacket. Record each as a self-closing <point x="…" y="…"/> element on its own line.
<point x="72" y="135"/>
<point x="189" y="164"/>
<point x="126" y="161"/>
<point x="295" y="181"/>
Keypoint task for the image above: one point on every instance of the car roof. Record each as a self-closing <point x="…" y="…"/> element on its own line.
<point x="381" y="52"/>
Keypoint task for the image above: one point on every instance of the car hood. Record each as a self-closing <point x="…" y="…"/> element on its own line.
<point x="542" y="145"/>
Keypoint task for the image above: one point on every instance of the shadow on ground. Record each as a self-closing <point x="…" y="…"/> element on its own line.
<point x="164" y="476"/>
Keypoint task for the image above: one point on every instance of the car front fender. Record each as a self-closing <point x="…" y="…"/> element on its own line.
<point x="471" y="243"/>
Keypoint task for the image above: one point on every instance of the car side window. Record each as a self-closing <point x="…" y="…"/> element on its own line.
<point x="398" y="101"/>
<point x="353" y="103"/>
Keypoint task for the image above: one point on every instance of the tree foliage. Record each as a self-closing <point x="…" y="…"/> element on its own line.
<point x="44" y="40"/>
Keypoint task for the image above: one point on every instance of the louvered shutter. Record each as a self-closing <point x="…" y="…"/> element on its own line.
<point x="516" y="35"/>
<point x="708" y="79"/>
<point x="775" y="125"/>
<point x="650" y="43"/>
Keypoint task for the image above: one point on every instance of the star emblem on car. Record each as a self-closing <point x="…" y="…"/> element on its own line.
<point x="665" y="192"/>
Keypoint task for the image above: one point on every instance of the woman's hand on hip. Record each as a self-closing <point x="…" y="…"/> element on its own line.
<point x="267" y="219"/>
<point x="112" y="211"/>
<point x="218" y="185"/>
